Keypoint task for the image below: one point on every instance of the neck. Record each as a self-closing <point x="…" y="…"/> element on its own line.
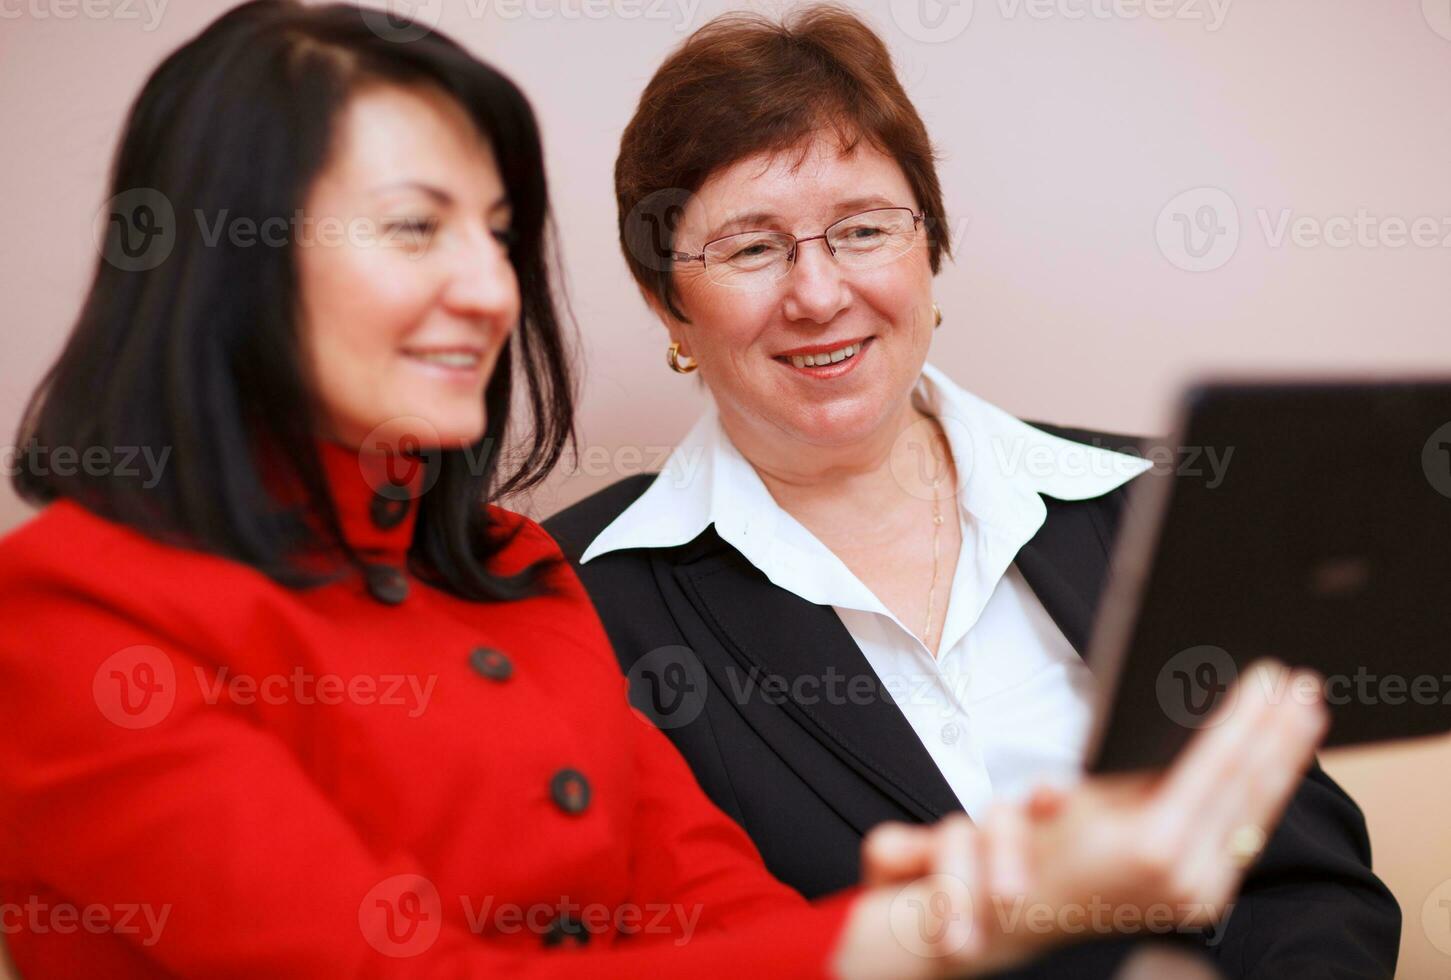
<point x="894" y="465"/>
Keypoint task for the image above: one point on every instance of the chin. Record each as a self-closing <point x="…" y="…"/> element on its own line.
<point x="836" y="425"/>
<point x="461" y="433"/>
<point x="426" y="427"/>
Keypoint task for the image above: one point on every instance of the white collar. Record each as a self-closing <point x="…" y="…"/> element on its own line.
<point x="1007" y="465"/>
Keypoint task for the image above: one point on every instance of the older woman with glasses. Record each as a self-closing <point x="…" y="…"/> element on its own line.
<point x="302" y="704"/>
<point x="868" y="603"/>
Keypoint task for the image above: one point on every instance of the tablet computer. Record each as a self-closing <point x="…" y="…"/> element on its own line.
<point x="1321" y="538"/>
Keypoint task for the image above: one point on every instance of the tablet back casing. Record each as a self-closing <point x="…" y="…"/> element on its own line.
<point x="1323" y="539"/>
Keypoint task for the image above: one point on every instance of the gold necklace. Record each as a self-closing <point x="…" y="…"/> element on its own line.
<point x="936" y="554"/>
<point x="945" y="459"/>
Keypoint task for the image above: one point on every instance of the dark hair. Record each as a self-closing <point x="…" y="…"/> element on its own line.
<point x="745" y="84"/>
<point x="200" y="354"/>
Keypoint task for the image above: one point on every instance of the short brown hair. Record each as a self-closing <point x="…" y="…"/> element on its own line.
<point x="745" y="84"/>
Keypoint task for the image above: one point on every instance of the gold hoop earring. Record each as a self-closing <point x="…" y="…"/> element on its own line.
<point x="672" y="357"/>
<point x="937" y="311"/>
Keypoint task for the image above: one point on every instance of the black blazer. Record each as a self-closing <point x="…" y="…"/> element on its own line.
<point x="740" y="673"/>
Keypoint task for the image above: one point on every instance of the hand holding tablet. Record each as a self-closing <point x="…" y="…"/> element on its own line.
<point x="1110" y="856"/>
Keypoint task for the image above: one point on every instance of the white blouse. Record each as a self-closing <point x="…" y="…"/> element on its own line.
<point x="1006" y="703"/>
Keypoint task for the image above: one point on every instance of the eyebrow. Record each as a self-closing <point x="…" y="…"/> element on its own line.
<point x="438" y="194"/>
<point x="750" y="219"/>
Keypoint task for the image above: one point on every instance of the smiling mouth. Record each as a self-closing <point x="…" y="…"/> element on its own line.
<point x="453" y="358"/>
<point x="825" y="358"/>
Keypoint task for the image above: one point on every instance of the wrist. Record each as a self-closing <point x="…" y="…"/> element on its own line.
<point x="868" y="948"/>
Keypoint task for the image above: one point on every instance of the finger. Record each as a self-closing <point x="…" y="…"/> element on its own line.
<point x="895" y="852"/>
<point x="1264" y="779"/>
<point x="1005" y="840"/>
<point x="1261" y="788"/>
<point x="1046" y="802"/>
<point x="952" y="847"/>
<point x="959" y="865"/>
<point x="1210" y="759"/>
<point x="1208" y="869"/>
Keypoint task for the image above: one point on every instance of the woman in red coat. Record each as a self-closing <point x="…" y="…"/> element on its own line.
<point x="282" y="699"/>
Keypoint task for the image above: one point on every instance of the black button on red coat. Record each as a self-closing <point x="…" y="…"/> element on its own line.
<point x="566" y="930"/>
<point x="389" y="506"/>
<point x="570" y="790"/>
<point x="491" y="663"/>
<point x="387" y="584"/>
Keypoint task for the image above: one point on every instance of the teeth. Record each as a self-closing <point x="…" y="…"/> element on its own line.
<point x="831" y="357"/>
<point x="448" y="358"/>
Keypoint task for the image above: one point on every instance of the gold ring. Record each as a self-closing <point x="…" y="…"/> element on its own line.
<point x="1245" y="844"/>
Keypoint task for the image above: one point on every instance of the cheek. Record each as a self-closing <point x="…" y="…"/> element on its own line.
<point x="899" y="293"/>
<point x="724" y="334"/>
<point x="356" y="308"/>
<point x="724" y="323"/>
<point x="353" y="296"/>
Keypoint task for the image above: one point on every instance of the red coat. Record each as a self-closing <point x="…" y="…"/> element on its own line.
<point x="205" y="773"/>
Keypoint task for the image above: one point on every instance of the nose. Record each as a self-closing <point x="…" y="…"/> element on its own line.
<point x="480" y="280"/>
<point x="816" y="289"/>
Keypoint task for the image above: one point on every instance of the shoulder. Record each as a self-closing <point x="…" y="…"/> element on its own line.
<point x="59" y="527"/>
<point x="1115" y="441"/>
<point x="622" y="584"/>
<point x="76" y="588"/>
<point x="522" y="541"/>
<point x="68" y="549"/>
<point x="1107" y="511"/>
<point x="579" y="524"/>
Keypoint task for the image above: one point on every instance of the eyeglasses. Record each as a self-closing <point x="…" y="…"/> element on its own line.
<point x="759" y="259"/>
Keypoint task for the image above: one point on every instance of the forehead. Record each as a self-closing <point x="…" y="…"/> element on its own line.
<point x="394" y="133"/>
<point x="802" y="184"/>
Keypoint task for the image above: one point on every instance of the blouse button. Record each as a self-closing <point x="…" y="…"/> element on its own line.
<point x="570" y="790"/>
<point x="565" y="929"/>
<point x="387" y="584"/>
<point x="951" y="733"/>
<point x="491" y="663"/>
<point x="388" y="508"/>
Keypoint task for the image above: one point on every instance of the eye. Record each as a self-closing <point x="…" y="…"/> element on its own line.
<point x="754" y="252"/>
<point x="506" y="237"/>
<point x="411" y="231"/>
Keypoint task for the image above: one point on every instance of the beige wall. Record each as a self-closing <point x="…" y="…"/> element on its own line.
<point x="1066" y="142"/>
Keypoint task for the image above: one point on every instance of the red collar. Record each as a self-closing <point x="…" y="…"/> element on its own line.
<point x="376" y="496"/>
